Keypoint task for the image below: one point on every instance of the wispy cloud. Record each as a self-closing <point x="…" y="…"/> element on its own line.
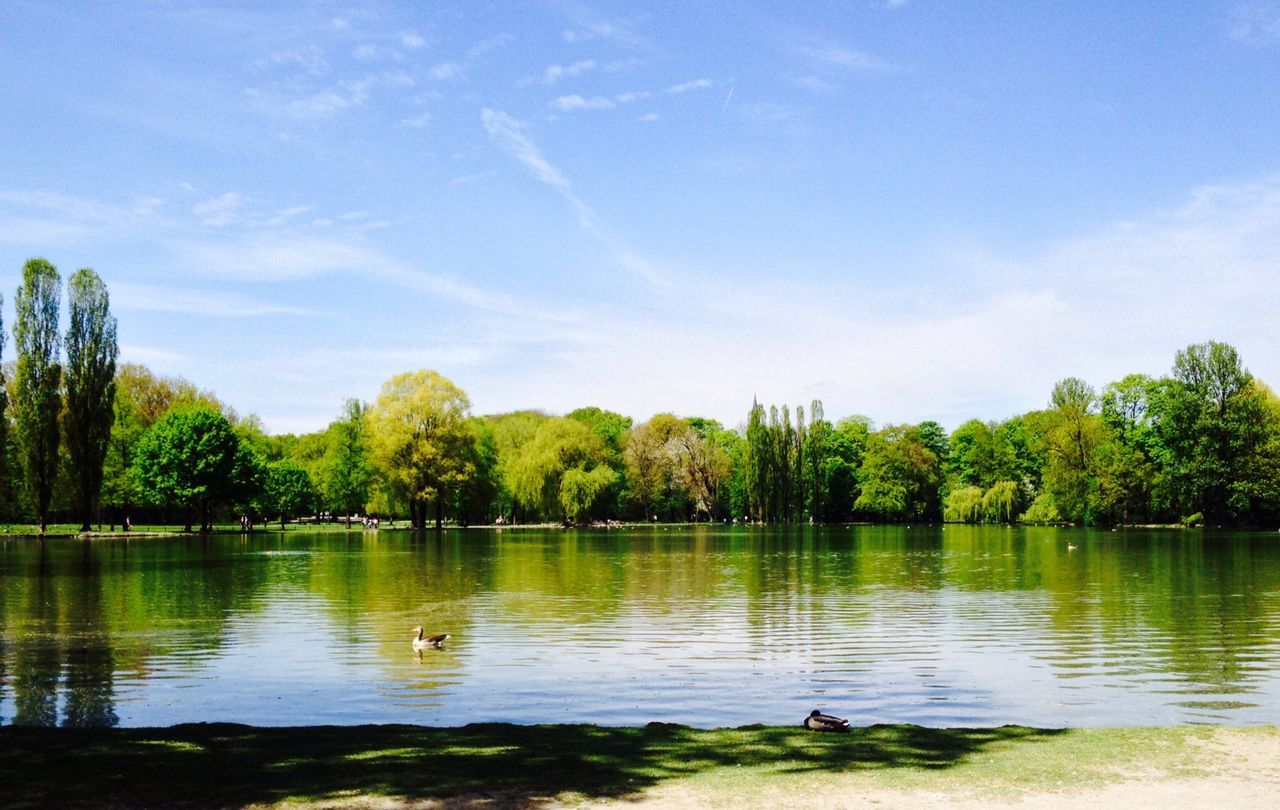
<point x="684" y="87"/>
<point x="487" y="46"/>
<point x="845" y="59"/>
<point x="343" y="95"/>
<point x="310" y="59"/>
<point x="555" y="73"/>
<point x="569" y="103"/>
<point x="510" y="136"/>
<point x="1256" y="23"/>
<point x="221" y="210"/>
<point x="127" y="295"/>
<point x="412" y="40"/>
<point x="417" y="122"/>
<point x="447" y="72"/>
<point x="576" y="102"/>
<point x="618" y="31"/>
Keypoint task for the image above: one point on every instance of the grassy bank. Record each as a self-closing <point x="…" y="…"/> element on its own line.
<point x="527" y="766"/>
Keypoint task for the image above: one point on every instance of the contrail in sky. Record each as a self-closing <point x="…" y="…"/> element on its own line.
<point x="726" y="102"/>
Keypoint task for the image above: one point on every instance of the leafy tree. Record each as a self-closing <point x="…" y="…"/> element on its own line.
<point x="288" y="492"/>
<point x="192" y="459"/>
<point x="702" y="464"/>
<point x="815" y="454"/>
<point x="510" y="433"/>
<point x="347" y="471"/>
<point x="1217" y="436"/>
<point x="649" y="462"/>
<point x="38" y="381"/>
<point x="580" y="488"/>
<point x="900" y="476"/>
<point x="1072" y="440"/>
<point x="555" y="472"/>
<point x="1002" y="503"/>
<point x="4" y="412"/>
<point x="419" y="434"/>
<point x="846" y="445"/>
<point x="972" y="462"/>
<point x="91" y="388"/>
<point x="963" y="505"/>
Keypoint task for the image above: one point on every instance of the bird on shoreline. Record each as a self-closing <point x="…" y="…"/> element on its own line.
<point x="433" y="642"/>
<point x="817" y="721"/>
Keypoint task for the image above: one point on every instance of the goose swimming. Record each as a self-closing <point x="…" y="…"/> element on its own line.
<point x="420" y="643"/>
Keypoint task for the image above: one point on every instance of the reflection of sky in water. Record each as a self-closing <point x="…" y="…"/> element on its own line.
<point x="547" y="629"/>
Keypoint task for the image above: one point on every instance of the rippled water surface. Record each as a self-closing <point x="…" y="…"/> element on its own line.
<point x="709" y="627"/>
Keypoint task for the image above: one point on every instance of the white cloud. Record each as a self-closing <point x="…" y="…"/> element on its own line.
<point x="447" y="72"/>
<point x="310" y="59"/>
<point x="412" y="40"/>
<point x="555" y="73"/>
<point x="846" y="59"/>
<point x="367" y="53"/>
<point x="417" y="121"/>
<point x="684" y="87"/>
<point x="193" y="301"/>
<point x="487" y="46"/>
<point x="569" y="103"/>
<point x="510" y="136"/>
<point x="221" y="210"/>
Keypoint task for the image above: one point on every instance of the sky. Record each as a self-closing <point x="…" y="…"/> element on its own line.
<point x="906" y="209"/>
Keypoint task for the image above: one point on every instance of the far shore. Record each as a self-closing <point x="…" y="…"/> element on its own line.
<point x="67" y="532"/>
<point x="659" y="765"/>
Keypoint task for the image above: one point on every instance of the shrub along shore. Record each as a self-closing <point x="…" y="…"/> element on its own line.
<point x="499" y="765"/>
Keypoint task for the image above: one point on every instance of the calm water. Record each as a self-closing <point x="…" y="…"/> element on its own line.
<point x="954" y="626"/>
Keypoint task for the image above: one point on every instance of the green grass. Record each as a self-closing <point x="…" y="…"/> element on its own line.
<point x="203" y="765"/>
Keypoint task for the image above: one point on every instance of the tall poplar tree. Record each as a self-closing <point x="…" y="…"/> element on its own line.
<point x="38" y="382"/>
<point x="91" y="387"/>
<point x="4" y="398"/>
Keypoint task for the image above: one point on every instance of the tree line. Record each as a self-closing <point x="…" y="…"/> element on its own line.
<point x="85" y="438"/>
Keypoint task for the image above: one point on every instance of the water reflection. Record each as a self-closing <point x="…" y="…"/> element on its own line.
<point x="946" y="626"/>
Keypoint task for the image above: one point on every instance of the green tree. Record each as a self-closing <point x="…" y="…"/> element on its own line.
<point x="419" y="435"/>
<point x="846" y="445"/>
<point x="91" y="388"/>
<point x="900" y="476"/>
<point x="288" y="491"/>
<point x="650" y="463"/>
<point x="38" y="381"/>
<point x="347" y="471"/>
<point x="192" y="459"/>
<point x="1217" y="435"/>
<point x="555" y="472"/>
<point x="4" y="410"/>
<point x="1072" y="439"/>
<point x="703" y="466"/>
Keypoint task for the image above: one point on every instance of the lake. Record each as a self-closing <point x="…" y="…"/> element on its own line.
<point x="707" y="626"/>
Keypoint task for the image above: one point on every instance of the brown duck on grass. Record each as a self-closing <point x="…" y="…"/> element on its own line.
<point x="817" y="721"/>
<point x="433" y="642"/>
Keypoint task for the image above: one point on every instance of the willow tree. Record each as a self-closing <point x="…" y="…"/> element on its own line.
<point x="91" y="388"/>
<point x="38" y="383"/>
<point x="420" y="438"/>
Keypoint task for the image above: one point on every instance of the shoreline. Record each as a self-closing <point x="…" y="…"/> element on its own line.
<point x="340" y="527"/>
<point x="658" y="765"/>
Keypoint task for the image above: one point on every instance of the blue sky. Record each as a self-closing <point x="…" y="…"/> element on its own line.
<point x="909" y="210"/>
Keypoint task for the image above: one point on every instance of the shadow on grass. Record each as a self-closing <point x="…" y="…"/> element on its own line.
<point x="502" y="765"/>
